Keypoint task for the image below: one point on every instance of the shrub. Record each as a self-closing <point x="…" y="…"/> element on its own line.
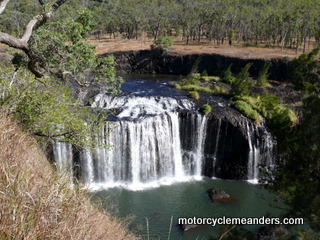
<point x="227" y="75"/>
<point x="195" y="95"/>
<point x="177" y="85"/>
<point x="263" y="76"/>
<point x="47" y="108"/>
<point x="204" y="74"/>
<point x="206" y="109"/>
<point x="248" y="111"/>
<point x="162" y="43"/>
<point x="241" y="85"/>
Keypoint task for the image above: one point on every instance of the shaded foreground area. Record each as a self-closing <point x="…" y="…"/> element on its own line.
<point x="36" y="203"/>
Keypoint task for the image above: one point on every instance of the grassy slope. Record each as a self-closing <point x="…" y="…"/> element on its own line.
<point x="35" y="203"/>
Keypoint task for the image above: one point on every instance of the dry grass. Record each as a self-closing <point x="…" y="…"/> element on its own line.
<point x="35" y="203"/>
<point x="107" y="45"/>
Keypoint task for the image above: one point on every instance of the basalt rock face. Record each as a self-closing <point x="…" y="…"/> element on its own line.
<point x="150" y="61"/>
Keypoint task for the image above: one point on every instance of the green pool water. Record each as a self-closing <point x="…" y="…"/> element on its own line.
<point x="188" y="199"/>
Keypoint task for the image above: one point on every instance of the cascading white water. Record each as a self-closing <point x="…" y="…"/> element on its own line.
<point x="144" y="143"/>
<point x="201" y="135"/>
<point x="253" y="153"/>
<point x="62" y="153"/>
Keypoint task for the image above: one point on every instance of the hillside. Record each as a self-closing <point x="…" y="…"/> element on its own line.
<point x="36" y="203"/>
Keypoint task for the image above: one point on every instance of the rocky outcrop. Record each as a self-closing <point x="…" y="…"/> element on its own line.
<point x="218" y="195"/>
<point x="150" y="61"/>
<point x="186" y="227"/>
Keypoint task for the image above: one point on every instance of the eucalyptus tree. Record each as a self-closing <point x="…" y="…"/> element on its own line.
<point x="54" y="51"/>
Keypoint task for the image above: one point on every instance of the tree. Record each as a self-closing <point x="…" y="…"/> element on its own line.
<point x="55" y="46"/>
<point x="297" y="180"/>
<point x="54" y="51"/>
<point x="241" y="84"/>
<point x="23" y="43"/>
<point x="263" y="75"/>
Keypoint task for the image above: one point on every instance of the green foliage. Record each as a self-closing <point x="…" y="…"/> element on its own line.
<point x="206" y="109"/>
<point x="241" y="85"/>
<point x="46" y="108"/>
<point x="192" y="87"/>
<point x="177" y="85"/>
<point x="195" y="95"/>
<point x="163" y="43"/>
<point x="263" y="75"/>
<point x="61" y="47"/>
<point x="204" y="74"/>
<point x="227" y="76"/>
<point x="268" y="106"/>
<point x="248" y="111"/>
<point x="305" y="71"/>
<point x="297" y="180"/>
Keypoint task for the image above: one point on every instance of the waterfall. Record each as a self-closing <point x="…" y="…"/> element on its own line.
<point x="158" y="139"/>
<point x="62" y="153"/>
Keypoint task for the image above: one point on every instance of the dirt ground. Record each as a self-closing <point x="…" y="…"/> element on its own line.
<point x="107" y="45"/>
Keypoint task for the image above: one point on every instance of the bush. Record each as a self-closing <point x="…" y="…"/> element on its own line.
<point x="248" y="111"/>
<point x="241" y="85"/>
<point x="206" y="109"/>
<point x="195" y="95"/>
<point x="177" y="85"/>
<point x="47" y="108"/>
<point x="263" y="76"/>
<point x="227" y="76"/>
<point x="162" y="43"/>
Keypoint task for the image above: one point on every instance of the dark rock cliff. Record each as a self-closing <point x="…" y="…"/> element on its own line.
<point x="150" y="61"/>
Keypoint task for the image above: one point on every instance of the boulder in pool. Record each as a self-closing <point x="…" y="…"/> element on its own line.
<point x="186" y="227"/>
<point x="218" y="195"/>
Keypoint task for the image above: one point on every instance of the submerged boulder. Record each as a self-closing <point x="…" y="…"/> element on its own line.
<point x="186" y="227"/>
<point x="218" y="195"/>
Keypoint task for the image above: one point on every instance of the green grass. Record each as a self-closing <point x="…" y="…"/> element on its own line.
<point x="211" y="78"/>
<point x="248" y="111"/>
<point x="206" y="109"/>
<point x="195" y="95"/>
<point x="193" y="87"/>
<point x="177" y="85"/>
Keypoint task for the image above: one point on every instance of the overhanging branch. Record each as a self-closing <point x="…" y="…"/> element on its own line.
<point x="22" y="43"/>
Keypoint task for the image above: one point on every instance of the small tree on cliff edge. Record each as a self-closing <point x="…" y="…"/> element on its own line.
<point x="162" y="43"/>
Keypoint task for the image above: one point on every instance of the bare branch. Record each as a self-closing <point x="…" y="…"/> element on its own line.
<point x="28" y="32"/>
<point x="57" y="4"/>
<point x="3" y="4"/>
<point x="12" y="41"/>
<point x="29" y="28"/>
<point x="22" y="43"/>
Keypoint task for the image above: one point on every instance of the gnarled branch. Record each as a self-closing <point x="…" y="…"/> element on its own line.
<point x="22" y="43"/>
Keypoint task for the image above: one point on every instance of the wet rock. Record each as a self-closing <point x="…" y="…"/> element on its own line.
<point x="218" y="195"/>
<point x="186" y="227"/>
